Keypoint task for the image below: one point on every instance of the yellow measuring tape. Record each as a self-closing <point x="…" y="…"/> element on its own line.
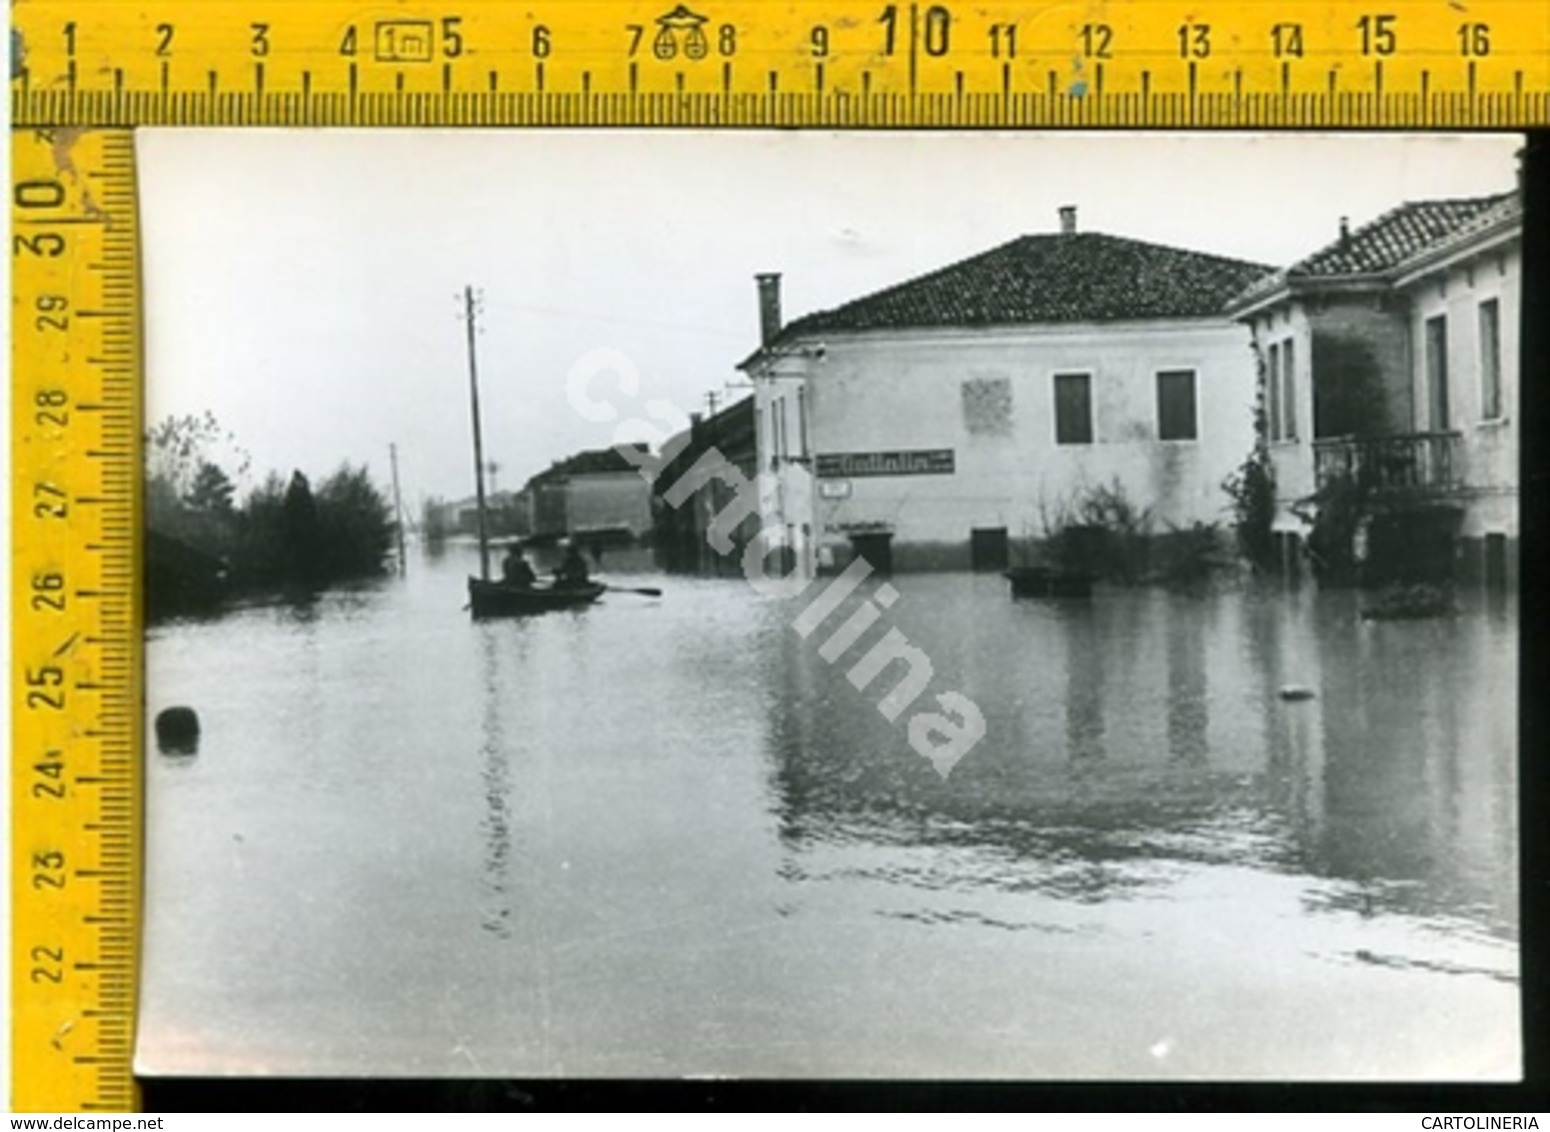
<point x="85" y="72"/>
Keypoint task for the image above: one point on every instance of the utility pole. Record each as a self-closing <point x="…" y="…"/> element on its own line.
<point x="712" y="399"/>
<point x="473" y="400"/>
<point x="398" y="510"/>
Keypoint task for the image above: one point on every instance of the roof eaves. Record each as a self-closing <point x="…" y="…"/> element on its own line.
<point x="1495" y="229"/>
<point x="1292" y="285"/>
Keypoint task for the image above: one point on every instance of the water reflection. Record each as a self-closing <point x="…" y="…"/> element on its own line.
<point x="1144" y="729"/>
<point x="496" y="774"/>
<point x="667" y="837"/>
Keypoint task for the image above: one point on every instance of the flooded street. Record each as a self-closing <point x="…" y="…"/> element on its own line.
<point x="666" y="837"/>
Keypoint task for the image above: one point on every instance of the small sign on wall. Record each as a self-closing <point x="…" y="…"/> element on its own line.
<point x="916" y="462"/>
<point x="834" y="489"/>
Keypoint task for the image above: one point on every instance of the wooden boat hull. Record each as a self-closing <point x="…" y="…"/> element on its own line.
<point x="496" y="599"/>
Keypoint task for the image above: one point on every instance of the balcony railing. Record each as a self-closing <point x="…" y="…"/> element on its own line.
<point x="1411" y="462"/>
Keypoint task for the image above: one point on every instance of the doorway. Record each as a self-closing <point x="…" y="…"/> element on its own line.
<point x="988" y="548"/>
<point x="877" y="549"/>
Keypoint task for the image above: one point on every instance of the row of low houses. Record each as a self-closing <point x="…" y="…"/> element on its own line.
<point x="952" y="420"/>
<point x="596" y="495"/>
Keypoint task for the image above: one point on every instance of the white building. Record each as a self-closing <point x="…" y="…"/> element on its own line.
<point x="1389" y="362"/>
<point x="947" y="422"/>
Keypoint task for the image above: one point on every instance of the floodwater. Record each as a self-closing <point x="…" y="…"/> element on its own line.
<point x="667" y="838"/>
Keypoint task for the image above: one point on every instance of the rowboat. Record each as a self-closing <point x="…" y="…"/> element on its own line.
<point x="498" y="599"/>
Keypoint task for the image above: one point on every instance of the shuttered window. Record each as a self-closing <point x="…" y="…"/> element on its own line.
<point x="1273" y="390"/>
<point x="1073" y="408"/>
<point x="1176" y="405"/>
<point x="1490" y="360"/>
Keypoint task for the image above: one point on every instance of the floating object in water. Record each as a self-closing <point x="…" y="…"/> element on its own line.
<point x="1408" y="603"/>
<point x="177" y="731"/>
<point x="1295" y="692"/>
<point x="1042" y="581"/>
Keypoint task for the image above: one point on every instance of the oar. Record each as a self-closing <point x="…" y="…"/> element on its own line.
<point x="644" y="591"/>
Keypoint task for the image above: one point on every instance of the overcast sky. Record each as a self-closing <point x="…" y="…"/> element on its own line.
<point x="303" y="285"/>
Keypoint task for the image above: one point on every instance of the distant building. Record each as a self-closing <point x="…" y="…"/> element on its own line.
<point x="1389" y="369"/>
<point x="683" y="531"/>
<point x="596" y="495"/>
<point x="505" y="516"/>
<point x="945" y="422"/>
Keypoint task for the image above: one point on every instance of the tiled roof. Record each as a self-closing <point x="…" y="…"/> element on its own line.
<point x="1080" y="277"/>
<point x="1396" y="236"/>
<point x="593" y="461"/>
<point x="1388" y="243"/>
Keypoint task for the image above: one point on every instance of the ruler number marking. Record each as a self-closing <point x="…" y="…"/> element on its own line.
<point x="1097" y="41"/>
<point x="48" y="592"/>
<point x="938" y="31"/>
<point x="1378" y="33"/>
<point x="50" y="771"/>
<point x="48" y="870"/>
<point x="49" y="501"/>
<point x="1474" y="40"/>
<point x="50" y="245"/>
<point x="1003" y="36"/>
<point x="49" y="963"/>
<point x="890" y="21"/>
<point x="51" y="316"/>
<point x="1194" y="40"/>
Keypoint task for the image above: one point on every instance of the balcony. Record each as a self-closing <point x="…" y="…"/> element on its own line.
<point x="1411" y="463"/>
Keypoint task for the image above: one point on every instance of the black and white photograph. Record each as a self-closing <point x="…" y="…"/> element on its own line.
<point x="831" y="606"/>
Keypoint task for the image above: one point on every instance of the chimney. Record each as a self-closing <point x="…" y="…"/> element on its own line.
<point x="1068" y="220"/>
<point x="1345" y="233"/>
<point x="769" y="306"/>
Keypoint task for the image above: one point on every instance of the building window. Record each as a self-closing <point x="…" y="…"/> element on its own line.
<point x="1273" y="390"/>
<point x="1073" y="408"/>
<point x="1437" y="373"/>
<point x="1176" y="405"/>
<point x="801" y="421"/>
<point x="1490" y="360"/>
<point x="1288" y="392"/>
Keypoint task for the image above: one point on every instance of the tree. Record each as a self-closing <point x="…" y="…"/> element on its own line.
<point x="188" y="495"/>
<point x="356" y="524"/>
<point x="211" y="491"/>
<point x="178" y="447"/>
<point x="303" y="546"/>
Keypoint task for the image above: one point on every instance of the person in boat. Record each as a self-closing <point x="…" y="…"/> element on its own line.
<point x="515" y="569"/>
<point x="572" y="571"/>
